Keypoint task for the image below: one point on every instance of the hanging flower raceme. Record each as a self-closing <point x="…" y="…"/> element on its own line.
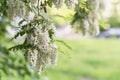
<point x="16" y="8"/>
<point x="91" y="23"/>
<point x="86" y="16"/>
<point x="39" y="43"/>
<point x="44" y="51"/>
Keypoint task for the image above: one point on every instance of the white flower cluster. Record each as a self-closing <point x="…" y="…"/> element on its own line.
<point x="69" y="3"/>
<point x="91" y="24"/>
<point x="20" y="8"/>
<point x="16" y="8"/>
<point x="46" y="51"/>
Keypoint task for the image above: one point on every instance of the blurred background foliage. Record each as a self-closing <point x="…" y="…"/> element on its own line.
<point x="62" y="15"/>
<point x="107" y="18"/>
<point x="114" y="20"/>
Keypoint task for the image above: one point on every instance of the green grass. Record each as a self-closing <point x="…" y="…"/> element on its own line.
<point x="91" y="59"/>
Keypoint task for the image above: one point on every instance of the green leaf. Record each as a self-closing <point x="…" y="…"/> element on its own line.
<point x="51" y="32"/>
<point x="65" y="44"/>
<point x="49" y="2"/>
<point x="21" y="22"/>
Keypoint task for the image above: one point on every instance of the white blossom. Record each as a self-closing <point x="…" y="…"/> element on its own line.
<point x="46" y="51"/>
<point x="16" y="8"/>
<point x="91" y="22"/>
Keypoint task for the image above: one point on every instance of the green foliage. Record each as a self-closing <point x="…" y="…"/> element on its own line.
<point x="51" y="32"/>
<point x="3" y="24"/>
<point x="114" y="21"/>
<point x="49" y="3"/>
<point x="102" y="25"/>
<point x="3" y="8"/>
<point x="14" y="65"/>
<point x="22" y="47"/>
<point x="2" y="27"/>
